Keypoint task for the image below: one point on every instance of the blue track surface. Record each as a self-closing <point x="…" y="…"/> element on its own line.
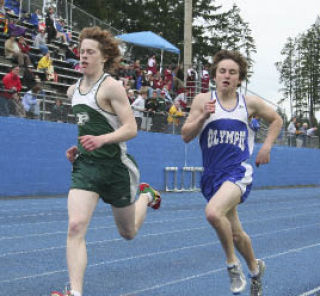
<point x="176" y="252"/>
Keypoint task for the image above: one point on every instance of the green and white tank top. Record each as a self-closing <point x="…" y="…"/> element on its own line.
<point x="93" y="120"/>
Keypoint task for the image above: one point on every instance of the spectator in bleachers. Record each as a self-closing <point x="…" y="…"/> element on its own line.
<point x="152" y="64"/>
<point x="139" y="80"/>
<point x="30" y="102"/>
<point x="168" y="78"/>
<point x="138" y="105"/>
<point x="71" y="58"/>
<point x="40" y="42"/>
<point x="50" y="28"/>
<point x="13" y="6"/>
<point x="33" y="19"/>
<point x="25" y="49"/>
<point x="29" y="79"/>
<point x="159" y="120"/>
<point x="13" y="52"/>
<point x="192" y="77"/>
<point x="15" y="29"/>
<point x="131" y="96"/>
<point x="58" y="112"/>
<point x="174" y="117"/>
<point x="12" y="85"/>
<point x="75" y="50"/>
<point x="205" y="79"/>
<point x="61" y="33"/>
<point x="181" y="98"/>
<point x="45" y="64"/>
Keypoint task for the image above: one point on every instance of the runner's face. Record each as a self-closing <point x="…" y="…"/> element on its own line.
<point x="227" y="75"/>
<point x="91" y="59"/>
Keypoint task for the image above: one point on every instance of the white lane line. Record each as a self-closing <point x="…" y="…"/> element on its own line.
<point x="195" y="276"/>
<point x="159" y="221"/>
<point x="295" y="250"/>
<point x="311" y="292"/>
<point x="216" y="270"/>
<point x="103" y="241"/>
<point x="94" y="228"/>
<point x="152" y="234"/>
<point x="109" y="262"/>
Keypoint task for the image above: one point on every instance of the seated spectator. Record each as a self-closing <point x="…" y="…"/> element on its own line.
<point x="61" y="33"/>
<point x="71" y="58"/>
<point x="29" y="79"/>
<point x="12" y="87"/>
<point x="25" y="49"/>
<point x="13" y="6"/>
<point x="50" y="28"/>
<point x="13" y="52"/>
<point x="45" y="64"/>
<point x="30" y="102"/>
<point x="58" y="112"/>
<point x="40" y="42"/>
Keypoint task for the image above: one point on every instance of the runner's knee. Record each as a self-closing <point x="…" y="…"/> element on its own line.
<point x="77" y="227"/>
<point x="213" y="216"/>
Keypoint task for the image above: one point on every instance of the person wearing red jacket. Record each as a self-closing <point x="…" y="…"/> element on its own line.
<point x="12" y="86"/>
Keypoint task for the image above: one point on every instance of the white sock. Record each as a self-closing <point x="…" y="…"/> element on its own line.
<point x="150" y="196"/>
<point x="255" y="273"/>
<point x="75" y="293"/>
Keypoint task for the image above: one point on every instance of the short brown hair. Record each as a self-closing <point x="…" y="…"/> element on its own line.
<point x="236" y="56"/>
<point x="143" y="90"/>
<point x="107" y="44"/>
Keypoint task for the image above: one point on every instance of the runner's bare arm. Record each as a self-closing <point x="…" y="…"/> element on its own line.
<point x="201" y="109"/>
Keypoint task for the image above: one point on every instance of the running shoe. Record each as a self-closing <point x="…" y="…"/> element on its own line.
<point x="256" y="281"/>
<point x="156" y="199"/>
<point x="56" y="293"/>
<point x="237" y="279"/>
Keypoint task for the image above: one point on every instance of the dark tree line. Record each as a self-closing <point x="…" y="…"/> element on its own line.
<point x="300" y="73"/>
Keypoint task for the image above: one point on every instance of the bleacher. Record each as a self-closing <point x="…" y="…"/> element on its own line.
<point x="51" y="90"/>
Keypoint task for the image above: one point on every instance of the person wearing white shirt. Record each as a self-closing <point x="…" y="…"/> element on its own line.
<point x="138" y="106"/>
<point x="292" y="132"/>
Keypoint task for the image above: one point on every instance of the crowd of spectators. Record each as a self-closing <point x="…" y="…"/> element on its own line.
<point x="299" y="133"/>
<point x="158" y="96"/>
<point x="25" y="31"/>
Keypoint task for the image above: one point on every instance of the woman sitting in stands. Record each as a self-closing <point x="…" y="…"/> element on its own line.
<point x="45" y="64"/>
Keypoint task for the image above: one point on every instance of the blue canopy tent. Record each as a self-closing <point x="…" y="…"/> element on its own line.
<point x="151" y="40"/>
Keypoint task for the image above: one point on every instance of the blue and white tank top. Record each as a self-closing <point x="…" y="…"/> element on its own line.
<point x="226" y="139"/>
